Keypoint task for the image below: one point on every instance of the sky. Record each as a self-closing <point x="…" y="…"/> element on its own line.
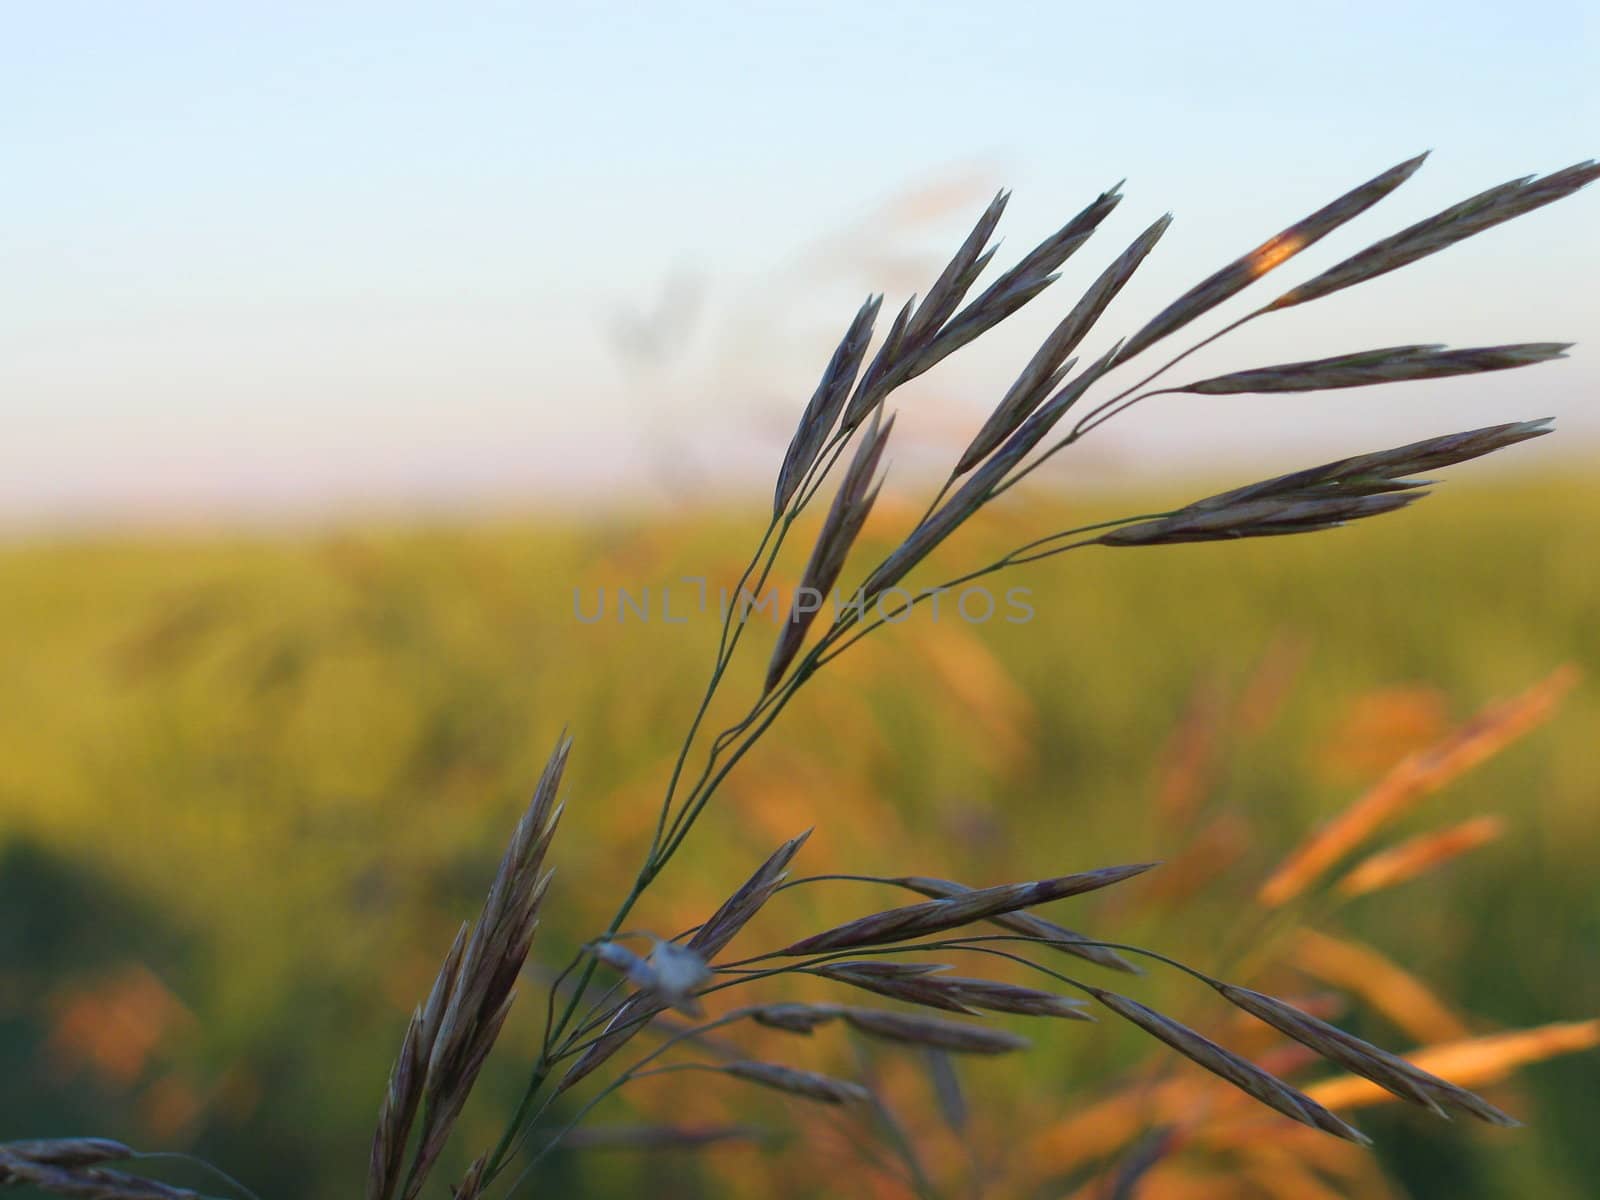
<point x="280" y="259"/>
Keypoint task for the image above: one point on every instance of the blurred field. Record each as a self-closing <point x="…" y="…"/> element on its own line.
<point x="249" y="786"/>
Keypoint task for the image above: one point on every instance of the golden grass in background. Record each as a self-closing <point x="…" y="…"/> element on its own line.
<point x="289" y="763"/>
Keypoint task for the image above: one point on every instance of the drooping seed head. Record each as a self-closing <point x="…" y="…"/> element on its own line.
<point x="1388" y="1071"/>
<point x="1244" y="1075"/>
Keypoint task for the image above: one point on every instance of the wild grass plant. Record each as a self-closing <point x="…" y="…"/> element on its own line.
<point x="627" y="983"/>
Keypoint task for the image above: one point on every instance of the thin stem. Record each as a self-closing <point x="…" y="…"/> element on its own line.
<point x="807" y="491"/>
<point x="814" y="480"/>
<point x="1081" y="529"/>
<point x="193" y="1160"/>
<point x="831" y="878"/>
<point x="732" y="630"/>
<point x="1011" y="559"/>
<point x="885" y="619"/>
<point x="1043" y="554"/>
<point x="862" y="1148"/>
<point x="541" y="1070"/>
<point x="865" y="1150"/>
<point x="692" y="811"/>
<point x="1172" y="362"/>
<point x="550" y="1000"/>
<point x="1088" y="422"/>
<point x="574" y="1046"/>
<point x="944" y="490"/>
<point x="899" y="1141"/>
<point x="974" y="942"/>
<point x="724" y="656"/>
<point x="625" y="1077"/>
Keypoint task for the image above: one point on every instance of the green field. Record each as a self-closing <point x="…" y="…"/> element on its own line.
<point x="249" y="785"/>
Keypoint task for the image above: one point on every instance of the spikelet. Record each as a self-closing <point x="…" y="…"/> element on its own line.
<point x="935" y="916"/>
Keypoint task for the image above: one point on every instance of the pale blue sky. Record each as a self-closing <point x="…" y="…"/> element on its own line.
<point x="258" y="257"/>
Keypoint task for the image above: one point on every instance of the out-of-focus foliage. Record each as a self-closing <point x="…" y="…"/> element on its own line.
<point x="249" y="787"/>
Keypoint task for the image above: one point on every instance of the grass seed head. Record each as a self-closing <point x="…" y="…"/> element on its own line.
<point x="935" y="916"/>
<point x="1244" y="1075"/>
<point x="1272" y="253"/>
<point x="911" y="1029"/>
<point x="807" y="1084"/>
<point x="1388" y="1071"/>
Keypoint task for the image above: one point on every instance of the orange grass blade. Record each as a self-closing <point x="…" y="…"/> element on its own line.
<point x="1419" y="855"/>
<point x="1491" y="731"/>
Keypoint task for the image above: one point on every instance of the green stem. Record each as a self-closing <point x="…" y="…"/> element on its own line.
<point x="1102" y="412"/>
<point x="724" y="656"/>
<point x="627" y="1076"/>
<point x="733" y="624"/>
